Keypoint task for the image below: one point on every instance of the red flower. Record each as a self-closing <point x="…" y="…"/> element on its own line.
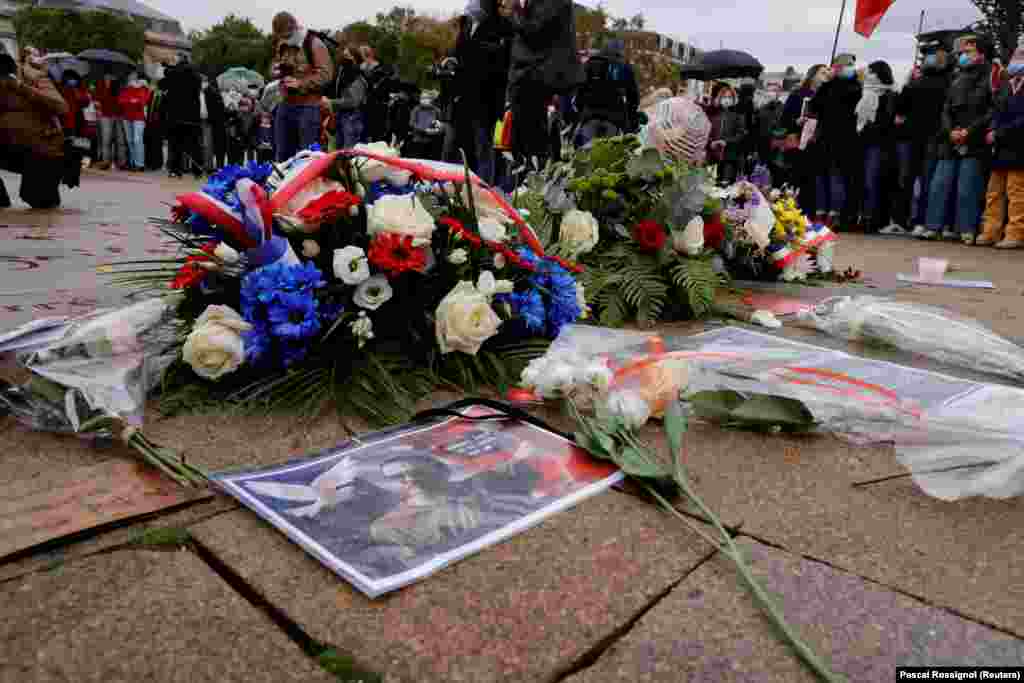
<point x="714" y="232"/>
<point x="328" y="207"/>
<point x="649" y="234"/>
<point x="179" y="213"/>
<point x="191" y="273"/>
<point x="395" y="254"/>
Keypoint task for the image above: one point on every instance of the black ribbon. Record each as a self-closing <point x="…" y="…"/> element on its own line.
<point x="506" y="412"/>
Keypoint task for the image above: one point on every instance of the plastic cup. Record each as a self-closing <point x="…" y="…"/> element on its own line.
<point x="932" y="269"/>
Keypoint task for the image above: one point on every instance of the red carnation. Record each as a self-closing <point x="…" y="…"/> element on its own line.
<point x="328" y="207"/>
<point x="395" y="254"/>
<point x="650" y="235"/>
<point x="714" y="231"/>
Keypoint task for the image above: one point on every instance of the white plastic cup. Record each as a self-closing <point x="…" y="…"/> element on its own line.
<point x="932" y="269"/>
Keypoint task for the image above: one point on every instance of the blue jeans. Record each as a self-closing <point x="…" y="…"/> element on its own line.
<point x="927" y="175"/>
<point x="831" y="192"/>
<point x="483" y="142"/>
<point x="351" y="129"/>
<point x="874" y="159"/>
<point x="134" y="132"/>
<point x="296" y="128"/>
<point x="964" y="179"/>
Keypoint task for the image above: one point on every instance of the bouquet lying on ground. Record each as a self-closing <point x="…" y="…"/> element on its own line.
<point x="356" y="276"/>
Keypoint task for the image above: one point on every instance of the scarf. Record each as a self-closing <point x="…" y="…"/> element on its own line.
<point x="867" y="108"/>
<point x="297" y="37"/>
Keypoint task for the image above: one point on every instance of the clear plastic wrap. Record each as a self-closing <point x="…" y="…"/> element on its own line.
<point x="958" y="437"/>
<point x="927" y="330"/>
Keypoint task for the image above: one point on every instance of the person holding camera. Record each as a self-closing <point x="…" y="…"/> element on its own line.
<point x="481" y="73"/>
<point x="31" y="138"/>
<point x="305" y="67"/>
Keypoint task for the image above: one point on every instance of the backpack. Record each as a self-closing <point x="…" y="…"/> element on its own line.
<point x="307" y="48"/>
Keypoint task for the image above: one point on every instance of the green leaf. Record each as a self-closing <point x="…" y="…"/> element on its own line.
<point x="633" y="462"/>
<point x="646" y="165"/>
<point x="675" y="427"/>
<point x="715" y="405"/>
<point x="774" y="410"/>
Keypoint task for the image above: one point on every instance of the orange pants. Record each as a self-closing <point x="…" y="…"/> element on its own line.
<point x="1005" y="191"/>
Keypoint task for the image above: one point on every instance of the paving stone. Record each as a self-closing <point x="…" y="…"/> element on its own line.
<point x="709" y="629"/>
<point x="141" y="616"/>
<point x="524" y="610"/>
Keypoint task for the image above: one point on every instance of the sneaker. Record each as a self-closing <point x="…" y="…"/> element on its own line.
<point x="1010" y="244"/>
<point x="919" y="231"/>
<point x="967" y="239"/>
<point x="984" y="241"/>
<point x="893" y="229"/>
<point x="930" y="235"/>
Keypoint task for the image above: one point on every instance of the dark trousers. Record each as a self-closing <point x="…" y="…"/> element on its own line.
<point x="154" y="142"/>
<point x="530" y="121"/>
<point x="184" y="149"/>
<point x="296" y="129"/>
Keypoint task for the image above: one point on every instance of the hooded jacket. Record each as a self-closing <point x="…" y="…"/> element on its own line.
<point x="1008" y="125"/>
<point x="968" y="105"/>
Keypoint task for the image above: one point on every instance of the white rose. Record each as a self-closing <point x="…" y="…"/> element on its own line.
<point x="492" y="230"/>
<point x="458" y="257"/>
<point x="765" y="319"/>
<point x="579" y="231"/>
<point x="373" y="171"/>
<point x="226" y="254"/>
<point x="402" y="215"/>
<point x="310" y="249"/>
<point x="373" y="293"/>
<point x="351" y="266"/>
<point x="691" y="240"/>
<point x="465" y="320"/>
<point x="215" y="347"/>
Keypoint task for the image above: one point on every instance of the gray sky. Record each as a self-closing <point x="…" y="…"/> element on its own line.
<point x="778" y="32"/>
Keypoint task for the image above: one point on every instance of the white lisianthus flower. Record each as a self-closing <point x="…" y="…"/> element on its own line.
<point x="226" y="254"/>
<point x="691" y="240"/>
<point x="310" y="249"/>
<point x="362" y="328"/>
<point x="557" y="379"/>
<point x="373" y="171"/>
<point x="493" y="231"/>
<point x="373" y="293"/>
<point x="499" y="261"/>
<point x="579" y="231"/>
<point x="402" y="215"/>
<point x="215" y="348"/>
<point x="465" y="320"/>
<point x="765" y="319"/>
<point x="351" y="265"/>
<point x="581" y="300"/>
<point x="458" y="256"/>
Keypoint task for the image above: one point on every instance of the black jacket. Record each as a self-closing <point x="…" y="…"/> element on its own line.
<point x="1008" y="125"/>
<point x="968" y="105"/>
<point x="544" y="46"/>
<point x="483" y="56"/>
<point x="182" y="86"/>
<point x="615" y="98"/>
<point x="920" y="104"/>
<point x="882" y="131"/>
<point x="835" y="106"/>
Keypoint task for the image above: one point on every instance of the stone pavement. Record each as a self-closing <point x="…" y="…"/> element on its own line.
<point x="612" y="590"/>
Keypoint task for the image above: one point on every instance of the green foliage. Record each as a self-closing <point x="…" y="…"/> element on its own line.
<point x="345" y="668"/>
<point x="696" y="282"/>
<point x="235" y="41"/>
<point x="61" y="30"/>
<point x="757" y="412"/>
<point x="162" y="537"/>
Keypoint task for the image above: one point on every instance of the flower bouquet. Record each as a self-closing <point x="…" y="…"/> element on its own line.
<point x="634" y="218"/>
<point x="358" y="277"/>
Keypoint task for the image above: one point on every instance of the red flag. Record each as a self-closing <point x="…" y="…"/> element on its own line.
<point x="869" y="14"/>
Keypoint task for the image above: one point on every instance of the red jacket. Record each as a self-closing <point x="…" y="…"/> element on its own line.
<point x="133" y="101"/>
<point x="77" y="99"/>
<point x="106" y="101"/>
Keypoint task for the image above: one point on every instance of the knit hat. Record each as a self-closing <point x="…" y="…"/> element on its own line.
<point x="845" y="59"/>
<point x="679" y="129"/>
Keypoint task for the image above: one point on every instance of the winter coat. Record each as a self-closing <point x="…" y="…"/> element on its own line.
<point x="77" y="100"/>
<point x="881" y="132"/>
<point x="313" y="76"/>
<point x="544" y="46"/>
<point x="614" y="99"/>
<point x="835" y="106"/>
<point x="483" y="56"/>
<point x="133" y="101"/>
<point x="1008" y="125"/>
<point x="728" y="125"/>
<point x="106" y="99"/>
<point x="792" y="109"/>
<point x="969" y="106"/>
<point x="920" y="104"/>
<point x="349" y="92"/>
<point x="182" y="86"/>
<point x="29" y="119"/>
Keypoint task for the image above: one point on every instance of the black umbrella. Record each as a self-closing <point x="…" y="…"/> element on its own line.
<point x="723" y="64"/>
<point x="108" y="61"/>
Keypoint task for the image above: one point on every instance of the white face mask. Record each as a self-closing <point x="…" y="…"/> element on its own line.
<point x="727" y="102"/>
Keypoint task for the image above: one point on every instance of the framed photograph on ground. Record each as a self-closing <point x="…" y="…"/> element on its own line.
<point x="395" y="506"/>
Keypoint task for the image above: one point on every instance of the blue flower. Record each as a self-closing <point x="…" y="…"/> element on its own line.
<point x="221" y="185"/>
<point x="550" y="301"/>
<point x="257" y="344"/>
<point x="382" y="188"/>
<point x="293" y="316"/>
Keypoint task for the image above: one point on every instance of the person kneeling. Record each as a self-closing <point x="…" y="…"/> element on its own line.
<point x="31" y="139"/>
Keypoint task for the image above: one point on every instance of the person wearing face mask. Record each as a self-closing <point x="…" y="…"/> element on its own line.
<point x="348" y="99"/>
<point x="213" y="117"/>
<point x="133" y="99"/>
<point x="876" y="113"/>
<point x="962" y="152"/>
<point x="835" y="153"/>
<point x="77" y="96"/>
<point x="306" y="68"/>
<point x="727" y="133"/>
<point x="792" y="122"/>
<point x="1005" y="197"/>
<point x="918" y="115"/>
<point x="110" y="119"/>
